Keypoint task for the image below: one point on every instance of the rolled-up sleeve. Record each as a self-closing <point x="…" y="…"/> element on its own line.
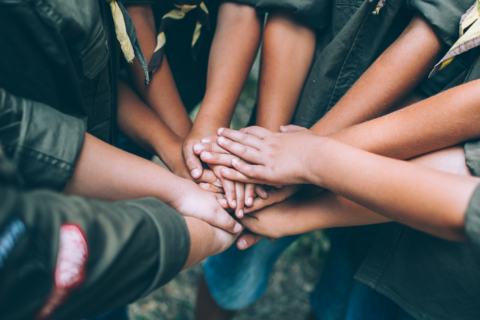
<point x="72" y="258"/>
<point x="472" y="218"/>
<point x="43" y="143"/>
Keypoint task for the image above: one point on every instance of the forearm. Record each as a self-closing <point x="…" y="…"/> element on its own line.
<point x="231" y="56"/>
<point x="426" y="199"/>
<point x="161" y="94"/>
<point x="107" y="173"/>
<point x="201" y="241"/>
<point x="443" y="120"/>
<point x="390" y="78"/>
<point x="144" y="127"/>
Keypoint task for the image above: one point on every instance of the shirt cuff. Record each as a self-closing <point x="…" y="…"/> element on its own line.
<point x="174" y="241"/>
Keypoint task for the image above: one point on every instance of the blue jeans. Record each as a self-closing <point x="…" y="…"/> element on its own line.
<point x="238" y="278"/>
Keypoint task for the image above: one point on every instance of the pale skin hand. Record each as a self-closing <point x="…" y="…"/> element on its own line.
<point x="414" y="197"/>
<point x="107" y="173"/>
<point x="209" y="146"/>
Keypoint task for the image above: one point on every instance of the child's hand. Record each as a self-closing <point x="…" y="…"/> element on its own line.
<point x="195" y="202"/>
<point x="174" y="160"/>
<point x="191" y="160"/>
<point x="275" y="221"/>
<point x="238" y="194"/>
<point x="278" y="158"/>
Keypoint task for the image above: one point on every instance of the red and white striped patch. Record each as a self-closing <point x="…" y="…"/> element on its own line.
<point x="69" y="270"/>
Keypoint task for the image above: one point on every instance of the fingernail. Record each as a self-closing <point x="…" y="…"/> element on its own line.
<point x="234" y="203"/>
<point x="205" y="140"/>
<point x="197" y="147"/>
<point x="206" y="155"/>
<point x="265" y="193"/>
<point x="195" y="173"/>
<point x="218" y="183"/>
<point x="235" y="161"/>
<point x="223" y="202"/>
<point x="282" y="128"/>
<point x="249" y="201"/>
<point x="240" y="214"/>
<point x="242" y="244"/>
<point x="221" y="140"/>
<point x="238" y="228"/>
<point x="224" y="170"/>
<point x="220" y="131"/>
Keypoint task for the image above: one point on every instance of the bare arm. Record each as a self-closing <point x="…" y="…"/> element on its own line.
<point x="231" y="56"/>
<point x="443" y="120"/>
<point x="426" y="199"/>
<point x="107" y="173"/>
<point x="388" y="81"/>
<point x="161" y="94"/>
<point x="140" y="123"/>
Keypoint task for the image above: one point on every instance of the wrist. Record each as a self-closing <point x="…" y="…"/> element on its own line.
<point x="316" y="161"/>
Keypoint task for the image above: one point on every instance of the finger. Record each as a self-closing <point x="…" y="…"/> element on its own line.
<point x="243" y="151"/>
<point x="192" y="161"/>
<point x="211" y="139"/>
<point x="217" y="158"/>
<point x="261" y="192"/>
<point x="223" y="220"/>
<point x="240" y="137"/>
<point x="210" y="188"/>
<point x="240" y="196"/>
<point x="228" y="187"/>
<point x="221" y="199"/>
<point x="257" y="131"/>
<point x="208" y="176"/>
<point x="210" y="147"/>
<point x="249" y="194"/>
<point x="243" y="169"/>
<point x="247" y="240"/>
<point x="232" y="174"/>
<point x="291" y="128"/>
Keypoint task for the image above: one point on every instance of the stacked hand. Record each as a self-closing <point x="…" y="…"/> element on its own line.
<point x="260" y="156"/>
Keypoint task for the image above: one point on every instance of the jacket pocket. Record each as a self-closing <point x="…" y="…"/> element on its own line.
<point x="95" y="55"/>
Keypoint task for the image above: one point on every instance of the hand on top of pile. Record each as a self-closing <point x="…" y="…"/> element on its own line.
<point x="264" y="157"/>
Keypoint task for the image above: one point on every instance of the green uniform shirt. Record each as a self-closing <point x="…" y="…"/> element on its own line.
<point x="71" y="258"/>
<point x="58" y="80"/>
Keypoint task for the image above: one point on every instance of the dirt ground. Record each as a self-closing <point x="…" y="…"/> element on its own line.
<point x="287" y="297"/>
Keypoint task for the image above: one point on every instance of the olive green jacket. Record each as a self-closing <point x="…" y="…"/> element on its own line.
<point x="70" y="258"/>
<point x="58" y="74"/>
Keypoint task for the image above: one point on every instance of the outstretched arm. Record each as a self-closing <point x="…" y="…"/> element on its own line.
<point x="426" y="199"/>
<point x="388" y="81"/>
<point x="107" y="173"/>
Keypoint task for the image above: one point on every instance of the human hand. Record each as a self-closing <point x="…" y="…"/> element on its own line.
<point x="191" y="160"/>
<point x="237" y="194"/>
<point x="192" y="201"/>
<point x="277" y="158"/>
<point x="174" y="160"/>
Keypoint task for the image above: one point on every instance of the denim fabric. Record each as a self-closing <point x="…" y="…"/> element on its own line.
<point x="237" y="278"/>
